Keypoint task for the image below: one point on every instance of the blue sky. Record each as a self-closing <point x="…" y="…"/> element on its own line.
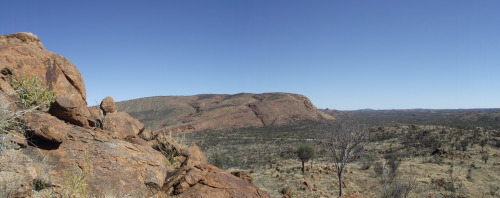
<point x="341" y="54"/>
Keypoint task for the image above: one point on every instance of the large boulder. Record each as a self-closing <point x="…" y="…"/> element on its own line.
<point x="122" y="126"/>
<point x="108" y="105"/>
<point x="46" y="127"/>
<point x="23" y="55"/>
<point x="194" y="156"/>
<point x="68" y="109"/>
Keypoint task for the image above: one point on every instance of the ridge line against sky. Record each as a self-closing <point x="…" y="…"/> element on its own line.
<point x="343" y="55"/>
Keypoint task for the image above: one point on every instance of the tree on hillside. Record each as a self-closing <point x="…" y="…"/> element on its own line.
<point x="345" y="141"/>
<point x="305" y="153"/>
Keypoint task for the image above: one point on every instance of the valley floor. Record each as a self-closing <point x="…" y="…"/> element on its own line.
<point x="269" y="155"/>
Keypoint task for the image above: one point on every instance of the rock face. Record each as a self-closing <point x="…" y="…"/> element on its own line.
<point x="110" y="166"/>
<point x="93" y="152"/>
<point x="23" y="54"/>
<point x="196" y="178"/>
<point x="201" y="112"/>
<point x="15" y="175"/>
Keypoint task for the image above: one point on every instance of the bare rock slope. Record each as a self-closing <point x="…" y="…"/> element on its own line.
<point x="71" y="150"/>
<point x="201" y="112"/>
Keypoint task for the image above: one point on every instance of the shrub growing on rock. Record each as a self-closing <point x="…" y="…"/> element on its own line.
<point x="31" y="92"/>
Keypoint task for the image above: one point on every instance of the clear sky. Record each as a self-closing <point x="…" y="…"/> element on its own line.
<point x="341" y="54"/>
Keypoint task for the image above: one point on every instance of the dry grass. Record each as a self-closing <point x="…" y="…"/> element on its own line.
<point x="413" y="145"/>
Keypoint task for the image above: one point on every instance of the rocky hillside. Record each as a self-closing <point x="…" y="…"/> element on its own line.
<point x="59" y="147"/>
<point x="218" y="112"/>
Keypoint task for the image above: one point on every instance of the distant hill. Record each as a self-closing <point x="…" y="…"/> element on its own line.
<point x="460" y="118"/>
<point x="219" y="112"/>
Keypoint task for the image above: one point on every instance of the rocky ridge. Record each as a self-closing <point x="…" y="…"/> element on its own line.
<point x="72" y="150"/>
<point x="219" y="112"/>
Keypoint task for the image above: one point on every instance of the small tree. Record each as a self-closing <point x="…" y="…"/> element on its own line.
<point x="463" y="145"/>
<point x="485" y="157"/>
<point x="345" y="142"/>
<point x="305" y="153"/>
<point x="483" y="143"/>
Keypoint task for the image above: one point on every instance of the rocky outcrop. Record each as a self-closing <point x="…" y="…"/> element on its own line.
<point x="202" y="112"/>
<point x="76" y="151"/>
<point x="109" y="166"/>
<point x="196" y="178"/>
<point x="23" y="55"/>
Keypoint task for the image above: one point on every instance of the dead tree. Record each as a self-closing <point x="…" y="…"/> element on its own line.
<point x="345" y="141"/>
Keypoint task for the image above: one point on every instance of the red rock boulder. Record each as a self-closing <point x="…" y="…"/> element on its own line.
<point x="25" y="56"/>
<point x="46" y="127"/>
<point x="122" y="126"/>
<point x="108" y="105"/>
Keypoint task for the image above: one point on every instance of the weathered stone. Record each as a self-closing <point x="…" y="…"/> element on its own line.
<point x="147" y="135"/>
<point x="108" y="105"/>
<point x="15" y="178"/>
<point x="24" y="55"/>
<point x="167" y="145"/>
<point x="243" y="175"/>
<point x="96" y="117"/>
<point x="46" y="127"/>
<point x="18" y="138"/>
<point x="122" y="126"/>
<point x="111" y="166"/>
<point x="193" y="176"/>
<point x="69" y="110"/>
<point x="205" y="180"/>
<point x="194" y="156"/>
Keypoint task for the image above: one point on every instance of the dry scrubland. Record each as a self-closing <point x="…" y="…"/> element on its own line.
<point x="457" y="168"/>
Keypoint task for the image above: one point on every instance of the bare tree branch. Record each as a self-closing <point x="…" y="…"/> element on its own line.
<point x="345" y="142"/>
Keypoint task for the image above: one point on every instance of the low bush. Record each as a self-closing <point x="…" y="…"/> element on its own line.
<point x="31" y="92"/>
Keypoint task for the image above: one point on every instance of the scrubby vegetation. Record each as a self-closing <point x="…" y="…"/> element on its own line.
<point x="31" y="92"/>
<point x="9" y="120"/>
<point x="400" y="159"/>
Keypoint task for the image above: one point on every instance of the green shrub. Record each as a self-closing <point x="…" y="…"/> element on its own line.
<point x="31" y="92"/>
<point x="305" y="153"/>
<point x="38" y="185"/>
